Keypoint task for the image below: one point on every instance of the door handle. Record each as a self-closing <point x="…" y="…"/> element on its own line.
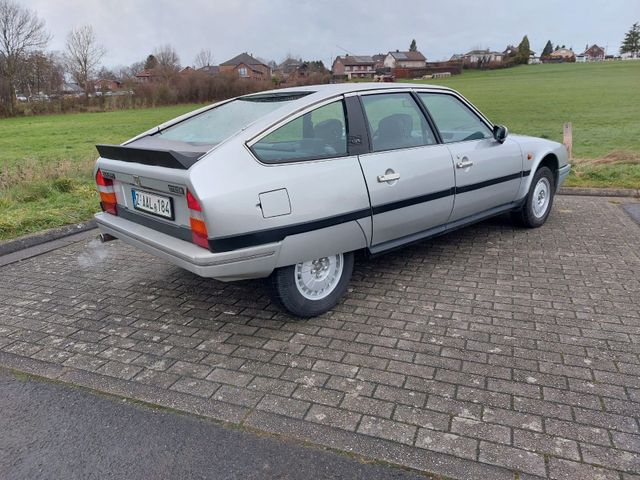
<point x="465" y="163"/>
<point x="389" y="176"/>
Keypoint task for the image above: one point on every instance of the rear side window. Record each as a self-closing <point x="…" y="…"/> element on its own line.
<point x="321" y="133"/>
<point x="396" y="121"/>
<point x="456" y="122"/>
<point x="217" y="124"/>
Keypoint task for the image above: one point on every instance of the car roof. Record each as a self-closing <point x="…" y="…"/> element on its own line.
<point x="331" y="89"/>
<point x="317" y="94"/>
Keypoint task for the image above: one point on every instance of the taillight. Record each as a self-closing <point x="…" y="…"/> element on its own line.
<point x="199" y="233"/>
<point x="108" y="201"/>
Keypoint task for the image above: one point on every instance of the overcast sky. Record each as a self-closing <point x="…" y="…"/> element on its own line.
<point x="322" y="29"/>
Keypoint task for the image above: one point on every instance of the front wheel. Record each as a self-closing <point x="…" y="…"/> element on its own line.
<point x="539" y="201"/>
<point x="311" y="288"/>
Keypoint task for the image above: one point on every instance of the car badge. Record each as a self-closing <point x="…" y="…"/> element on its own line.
<point x="136" y="179"/>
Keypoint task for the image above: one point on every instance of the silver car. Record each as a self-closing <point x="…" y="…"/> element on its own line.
<point x="288" y="184"/>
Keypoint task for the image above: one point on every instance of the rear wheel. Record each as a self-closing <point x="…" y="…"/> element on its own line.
<point x="313" y="287"/>
<point x="539" y="201"/>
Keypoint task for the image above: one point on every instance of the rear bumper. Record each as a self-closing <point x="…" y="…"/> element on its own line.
<point x="253" y="262"/>
<point x="562" y="174"/>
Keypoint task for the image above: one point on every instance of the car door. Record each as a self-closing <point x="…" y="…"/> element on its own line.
<point x="487" y="173"/>
<point x="408" y="174"/>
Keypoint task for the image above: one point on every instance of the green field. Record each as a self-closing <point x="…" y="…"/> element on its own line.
<point x="46" y="164"/>
<point x="46" y="161"/>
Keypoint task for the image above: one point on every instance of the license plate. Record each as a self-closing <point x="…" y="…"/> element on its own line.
<point x="152" y="203"/>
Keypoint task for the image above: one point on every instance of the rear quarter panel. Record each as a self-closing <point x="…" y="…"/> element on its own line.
<point x="229" y="180"/>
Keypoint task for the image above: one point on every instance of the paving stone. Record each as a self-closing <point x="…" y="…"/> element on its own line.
<point x="322" y="396"/>
<point x="119" y="370"/>
<point x="188" y="369"/>
<point x="626" y="441"/>
<point x="490" y="341"/>
<point x="195" y="386"/>
<point x="510" y="457"/>
<point x="512" y="419"/>
<point x="272" y="385"/>
<point x="612" y="458"/>
<point x="482" y="430"/>
<point x="238" y="396"/>
<point x="334" y="417"/>
<point x="229" y="377"/>
<point x="546" y="444"/>
<point x="421" y="417"/>
<point x="582" y="433"/>
<point x="560" y="469"/>
<point x="368" y="406"/>
<point x="387" y="429"/>
<point x="119" y="354"/>
<point x="447" y="443"/>
<point x="158" y="379"/>
<point x="283" y="406"/>
<point x="400" y="395"/>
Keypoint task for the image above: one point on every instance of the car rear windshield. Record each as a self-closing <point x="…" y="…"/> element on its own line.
<point x="217" y="124"/>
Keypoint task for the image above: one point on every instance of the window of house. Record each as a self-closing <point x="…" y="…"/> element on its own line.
<point x="320" y="133"/>
<point x="347" y="68"/>
<point x="242" y="71"/>
<point x="456" y="121"/>
<point x="395" y="121"/>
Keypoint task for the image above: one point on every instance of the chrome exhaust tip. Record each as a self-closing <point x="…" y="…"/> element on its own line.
<point x="105" y="237"/>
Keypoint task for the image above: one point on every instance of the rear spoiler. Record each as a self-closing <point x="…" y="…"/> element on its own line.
<point x="149" y="156"/>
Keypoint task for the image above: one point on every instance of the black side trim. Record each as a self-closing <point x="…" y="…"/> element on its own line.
<point x="385" y="247"/>
<point x="407" y="202"/>
<point x="233" y="242"/>
<point x="526" y="173"/>
<point x="487" y="183"/>
<point x="174" y="230"/>
<point x="147" y="156"/>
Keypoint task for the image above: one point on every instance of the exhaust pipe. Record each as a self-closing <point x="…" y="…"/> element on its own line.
<point x="105" y="237"/>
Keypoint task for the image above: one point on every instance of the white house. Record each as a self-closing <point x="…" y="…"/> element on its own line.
<point x="409" y="59"/>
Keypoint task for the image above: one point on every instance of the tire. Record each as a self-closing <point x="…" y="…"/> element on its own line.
<point x="290" y="292"/>
<point x="537" y="206"/>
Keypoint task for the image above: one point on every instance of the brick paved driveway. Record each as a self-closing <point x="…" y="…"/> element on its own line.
<point x="492" y="352"/>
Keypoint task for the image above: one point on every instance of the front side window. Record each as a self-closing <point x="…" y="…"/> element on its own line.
<point x="320" y="133"/>
<point x="456" y="122"/>
<point x="395" y="121"/>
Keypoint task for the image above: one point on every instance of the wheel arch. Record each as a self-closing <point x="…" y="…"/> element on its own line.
<point x="551" y="161"/>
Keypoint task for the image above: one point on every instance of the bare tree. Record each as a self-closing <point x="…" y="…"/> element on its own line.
<point x="21" y="32"/>
<point x="204" y="58"/>
<point x="83" y="55"/>
<point x="168" y="61"/>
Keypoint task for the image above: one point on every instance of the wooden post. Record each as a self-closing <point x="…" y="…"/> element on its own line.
<point x="567" y="138"/>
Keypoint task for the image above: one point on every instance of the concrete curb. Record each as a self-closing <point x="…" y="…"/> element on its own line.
<point x="39" y="238"/>
<point x="600" y="192"/>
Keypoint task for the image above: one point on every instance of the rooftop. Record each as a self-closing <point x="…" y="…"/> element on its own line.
<point x="243" y="58"/>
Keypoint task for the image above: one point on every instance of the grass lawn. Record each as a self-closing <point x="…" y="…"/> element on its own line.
<point x="46" y="161"/>
<point x="602" y="100"/>
<point x="46" y="164"/>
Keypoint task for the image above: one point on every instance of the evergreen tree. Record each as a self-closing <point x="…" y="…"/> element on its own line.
<point x="524" y="50"/>
<point x="548" y="48"/>
<point x="631" y="42"/>
<point x="151" y="62"/>
<point x="413" y="47"/>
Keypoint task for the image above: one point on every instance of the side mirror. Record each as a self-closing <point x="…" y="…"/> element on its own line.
<point x="500" y="133"/>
